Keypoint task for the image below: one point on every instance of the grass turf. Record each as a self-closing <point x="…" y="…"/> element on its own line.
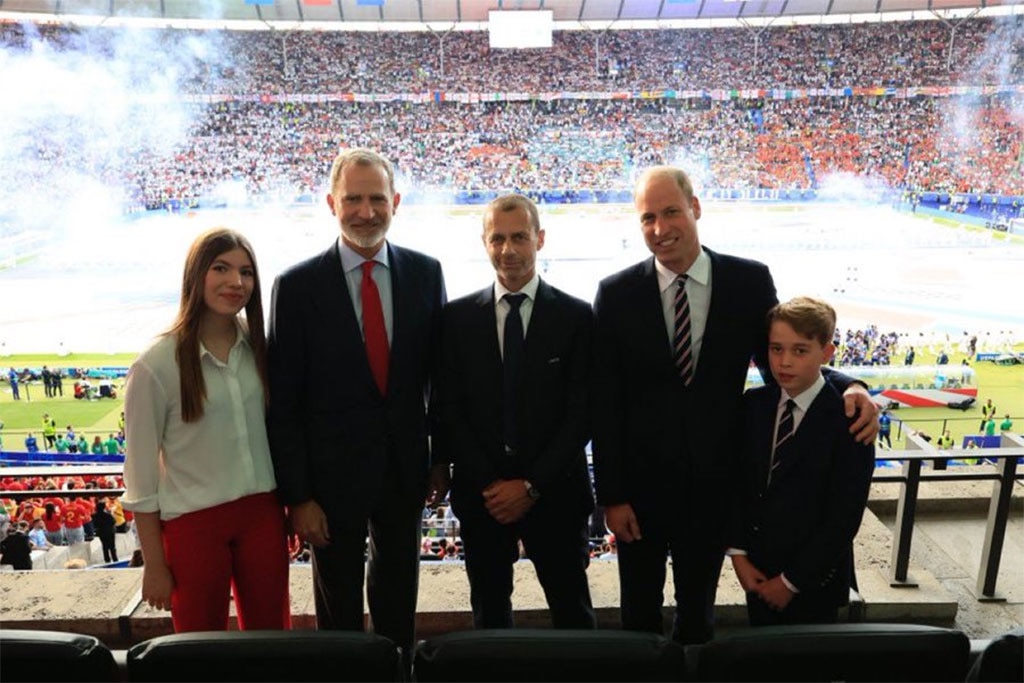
<point x="1003" y="384"/>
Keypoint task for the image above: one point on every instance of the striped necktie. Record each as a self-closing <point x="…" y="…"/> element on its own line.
<point x="682" y="351"/>
<point x="783" y="431"/>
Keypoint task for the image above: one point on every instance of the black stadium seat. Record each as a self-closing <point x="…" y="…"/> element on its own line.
<point x="1001" y="660"/>
<point x="265" y="656"/>
<point x="548" y="655"/>
<point x="835" y="652"/>
<point x="29" y="655"/>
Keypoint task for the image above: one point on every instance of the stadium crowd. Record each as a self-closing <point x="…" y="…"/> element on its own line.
<point x="895" y="54"/>
<point x="54" y="519"/>
<point x="281" y="148"/>
<point x="256" y="122"/>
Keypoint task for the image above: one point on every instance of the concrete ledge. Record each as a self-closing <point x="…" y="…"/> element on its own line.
<point x="929" y="602"/>
<point x="103" y="602"/>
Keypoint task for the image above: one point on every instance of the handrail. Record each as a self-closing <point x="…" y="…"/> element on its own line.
<point x="917" y="451"/>
<point x="72" y="493"/>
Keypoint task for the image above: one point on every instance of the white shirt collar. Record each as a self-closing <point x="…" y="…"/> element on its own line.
<point x="529" y="289"/>
<point x="805" y="398"/>
<point x="350" y="260"/>
<point x="699" y="271"/>
<point x="241" y="337"/>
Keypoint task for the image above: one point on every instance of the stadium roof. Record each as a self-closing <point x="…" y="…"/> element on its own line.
<point x="378" y="14"/>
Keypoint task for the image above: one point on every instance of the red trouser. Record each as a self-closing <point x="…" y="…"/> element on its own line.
<point x="240" y="545"/>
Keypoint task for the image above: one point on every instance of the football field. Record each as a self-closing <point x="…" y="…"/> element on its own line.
<point x="110" y="285"/>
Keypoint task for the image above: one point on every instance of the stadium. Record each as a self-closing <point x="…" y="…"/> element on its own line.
<point x="870" y="153"/>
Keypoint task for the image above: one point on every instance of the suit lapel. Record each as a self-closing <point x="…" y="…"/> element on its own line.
<point x="537" y="332"/>
<point x="649" y="326"/>
<point x="398" y="269"/>
<point x="339" y="315"/>
<point x="485" y="323"/>
<point x="802" y="444"/>
<point x="764" y="434"/>
<point x="334" y="298"/>
<point x="720" y="292"/>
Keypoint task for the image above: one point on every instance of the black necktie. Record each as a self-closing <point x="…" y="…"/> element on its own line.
<point x="512" y="346"/>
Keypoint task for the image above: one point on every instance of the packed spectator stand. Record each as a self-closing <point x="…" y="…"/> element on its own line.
<point x="916" y="106"/>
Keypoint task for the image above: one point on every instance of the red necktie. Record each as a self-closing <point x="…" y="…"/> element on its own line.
<point x="374" y="332"/>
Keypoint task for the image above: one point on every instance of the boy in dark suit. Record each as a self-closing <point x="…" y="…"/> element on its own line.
<point x="805" y="479"/>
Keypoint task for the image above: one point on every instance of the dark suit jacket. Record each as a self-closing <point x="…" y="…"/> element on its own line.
<point x="552" y="409"/>
<point x="332" y="434"/>
<point x="804" y="522"/>
<point x="654" y="439"/>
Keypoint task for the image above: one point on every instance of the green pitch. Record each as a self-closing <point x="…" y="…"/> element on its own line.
<point x="90" y="417"/>
<point x="1003" y="384"/>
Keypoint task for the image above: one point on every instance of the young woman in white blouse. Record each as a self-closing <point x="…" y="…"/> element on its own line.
<point x="197" y="470"/>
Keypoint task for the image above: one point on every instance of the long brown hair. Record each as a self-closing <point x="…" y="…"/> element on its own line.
<point x="207" y="247"/>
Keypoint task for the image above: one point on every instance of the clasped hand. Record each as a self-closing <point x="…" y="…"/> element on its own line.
<point x="507" y="500"/>
<point x="774" y="592"/>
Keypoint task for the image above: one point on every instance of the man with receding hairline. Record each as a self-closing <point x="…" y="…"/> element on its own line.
<point x="514" y="413"/>
<point x="673" y="338"/>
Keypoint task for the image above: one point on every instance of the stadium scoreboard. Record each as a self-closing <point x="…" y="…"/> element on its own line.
<point x="520" y="29"/>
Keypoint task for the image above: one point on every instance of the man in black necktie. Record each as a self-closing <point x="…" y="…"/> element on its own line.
<point x="514" y="416"/>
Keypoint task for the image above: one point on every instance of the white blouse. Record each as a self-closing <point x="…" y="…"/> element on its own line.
<point x="173" y="467"/>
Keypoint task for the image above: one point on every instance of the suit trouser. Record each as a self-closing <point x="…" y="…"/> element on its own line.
<point x="391" y="569"/>
<point x="109" y="543"/>
<point x="555" y="541"/>
<point x="240" y="545"/>
<point x="696" y="566"/>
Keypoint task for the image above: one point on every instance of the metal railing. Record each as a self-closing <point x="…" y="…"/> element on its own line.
<point x="917" y="451"/>
<point x="909" y="477"/>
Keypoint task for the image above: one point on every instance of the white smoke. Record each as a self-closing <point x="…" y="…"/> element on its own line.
<point x="999" y="63"/>
<point x="82" y="112"/>
<point x="852" y="188"/>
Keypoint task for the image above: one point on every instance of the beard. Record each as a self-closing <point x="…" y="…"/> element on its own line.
<point x="363" y="238"/>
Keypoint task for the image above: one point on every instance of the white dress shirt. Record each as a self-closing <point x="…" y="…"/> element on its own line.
<point x="803" y="401"/>
<point x="698" y="291"/>
<point x="502" y="307"/>
<point x="173" y="467"/>
<point x="352" y="264"/>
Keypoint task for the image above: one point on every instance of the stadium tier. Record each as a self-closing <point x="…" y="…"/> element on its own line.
<point x="257" y="115"/>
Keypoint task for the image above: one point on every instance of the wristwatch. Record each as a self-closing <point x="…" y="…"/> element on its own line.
<point x="531" y="490"/>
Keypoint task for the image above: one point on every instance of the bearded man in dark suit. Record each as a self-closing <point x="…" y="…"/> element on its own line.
<point x="352" y="457"/>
